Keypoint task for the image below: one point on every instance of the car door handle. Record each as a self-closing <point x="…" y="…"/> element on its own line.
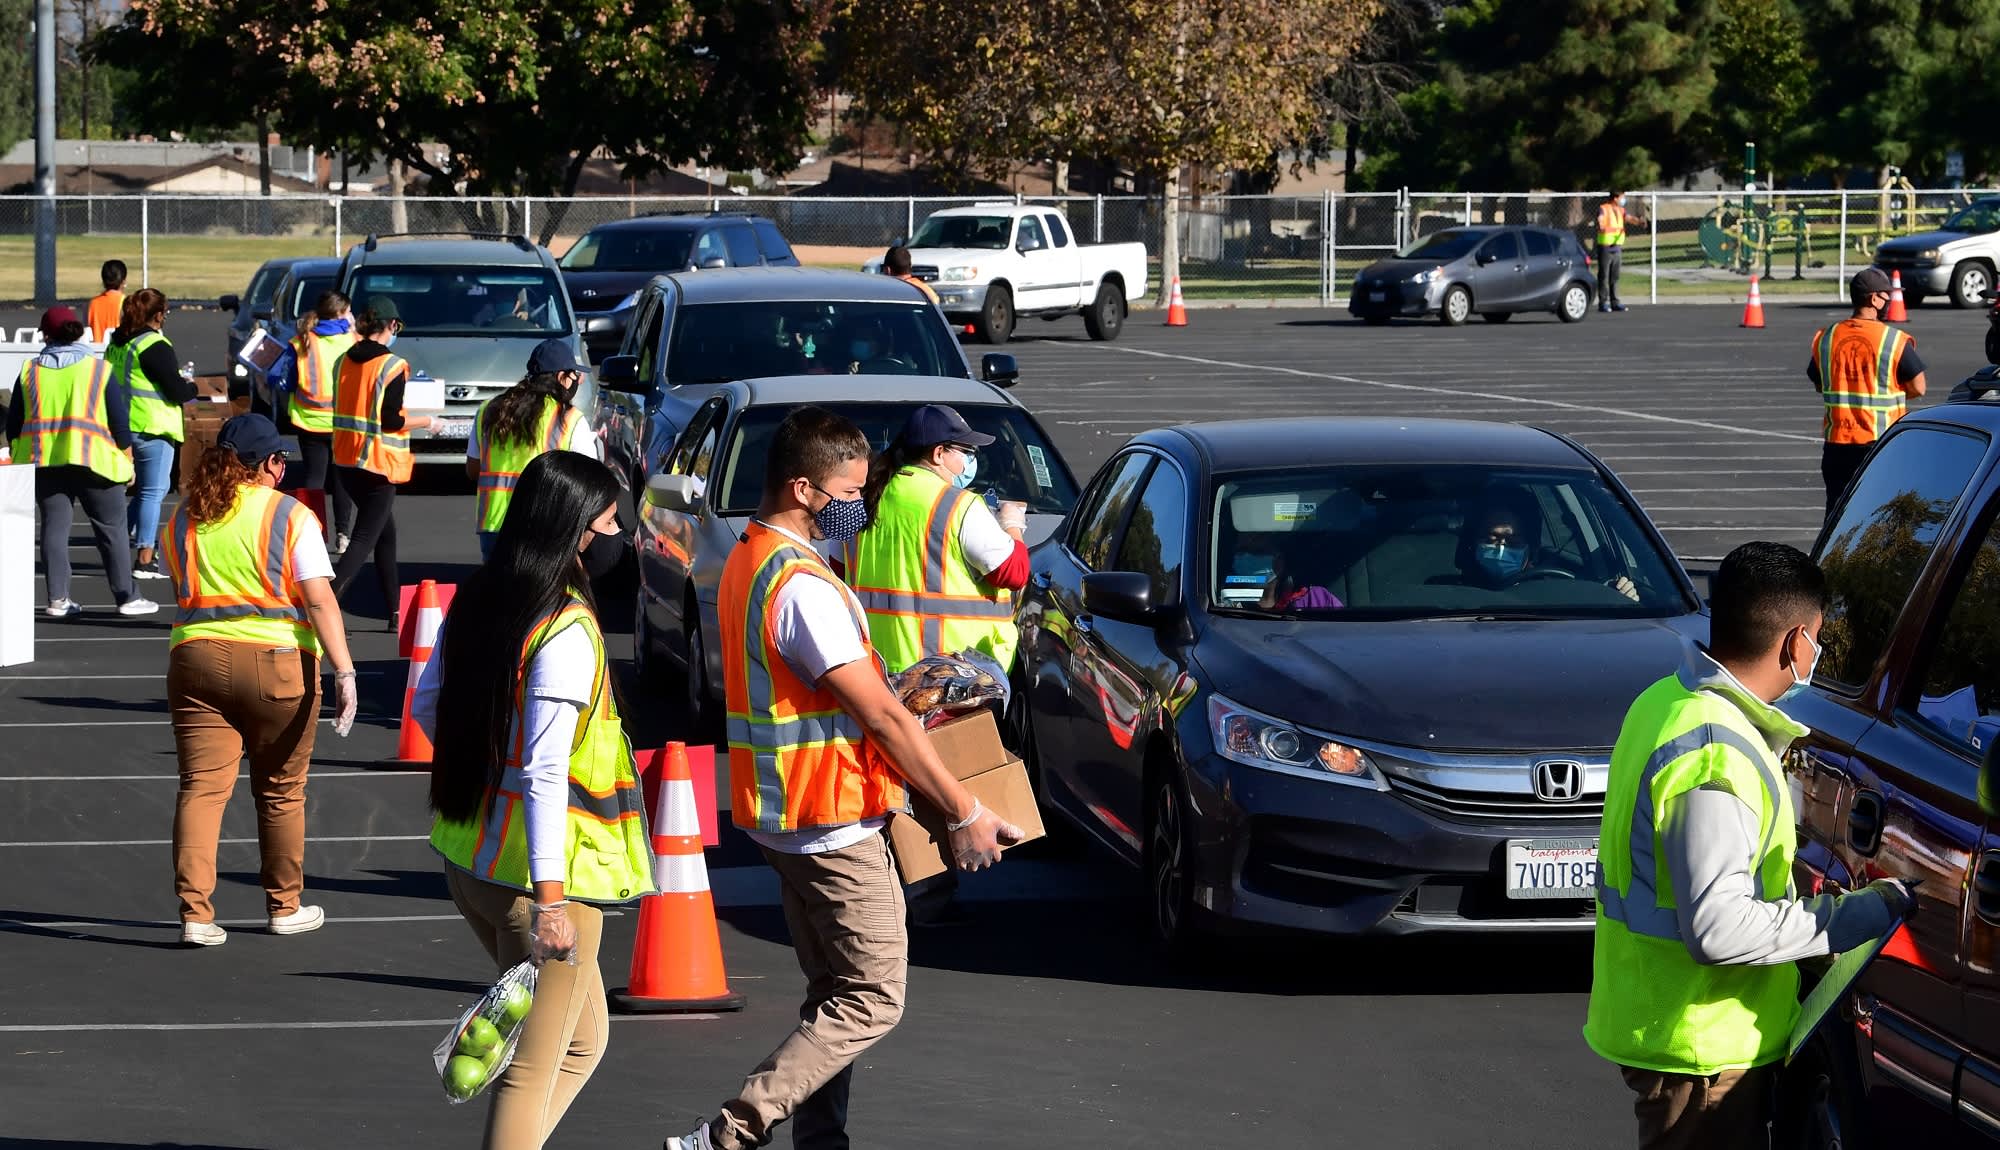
<point x="1986" y="888"/>
<point x="1864" y="823"/>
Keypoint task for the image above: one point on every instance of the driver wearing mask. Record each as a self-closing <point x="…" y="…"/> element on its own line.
<point x="1500" y="544"/>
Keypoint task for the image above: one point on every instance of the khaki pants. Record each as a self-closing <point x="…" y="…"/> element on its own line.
<point x="1726" y="1111"/>
<point x="231" y="701"/>
<point x="844" y="909"/>
<point x="564" y="1036"/>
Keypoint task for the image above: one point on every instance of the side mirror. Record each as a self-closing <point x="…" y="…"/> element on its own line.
<point x="620" y="373"/>
<point x="998" y="368"/>
<point x="673" y="492"/>
<point x="229" y="303"/>
<point x="714" y="262"/>
<point x="262" y="313"/>
<point x="1487" y="257"/>
<point x="1123" y="596"/>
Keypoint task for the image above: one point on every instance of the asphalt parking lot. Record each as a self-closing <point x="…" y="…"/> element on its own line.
<point x="1045" y="1020"/>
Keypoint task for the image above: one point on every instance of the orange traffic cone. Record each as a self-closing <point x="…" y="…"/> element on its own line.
<point x="1753" y="311"/>
<point x="1176" y="310"/>
<point x="412" y="746"/>
<point x="1897" y="312"/>
<point x="677" y="956"/>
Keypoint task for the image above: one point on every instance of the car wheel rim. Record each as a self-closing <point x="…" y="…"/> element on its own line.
<point x="1109" y="313"/>
<point x="1459" y="306"/>
<point x="1168" y="878"/>
<point x="1573" y="302"/>
<point x="1975" y="283"/>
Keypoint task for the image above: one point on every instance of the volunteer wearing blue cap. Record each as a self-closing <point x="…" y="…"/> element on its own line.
<point x="251" y="575"/>
<point x="520" y="423"/>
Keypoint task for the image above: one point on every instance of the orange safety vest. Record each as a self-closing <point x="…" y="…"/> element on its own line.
<point x="358" y="438"/>
<point x="1857" y="361"/>
<point x="797" y="759"/>
<point x="923" y="287"/>
<point x="1610" y="224"/>
<point x="100" y="317"/>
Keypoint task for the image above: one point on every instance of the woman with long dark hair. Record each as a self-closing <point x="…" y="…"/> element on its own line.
<point x="532" y="417"/>
<point x="536" y="804"/>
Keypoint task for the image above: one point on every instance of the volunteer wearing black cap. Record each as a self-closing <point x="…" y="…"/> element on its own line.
<point x="371" y="446"/>
<point x="520" y="423"/>
<point x="1863" y="368"/>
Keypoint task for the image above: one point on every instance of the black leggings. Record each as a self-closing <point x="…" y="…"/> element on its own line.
<point x="318" y="472"/>
<point x="374" y="530"/>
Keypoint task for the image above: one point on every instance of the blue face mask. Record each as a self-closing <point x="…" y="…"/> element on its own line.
<point x="1501" y="560"/>
<point x="965" y="477"/>
<point x="841" y="519"/>
<point x="1799" y="685"/>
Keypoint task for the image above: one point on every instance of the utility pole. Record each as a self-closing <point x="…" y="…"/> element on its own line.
<point x="45" y="152"/>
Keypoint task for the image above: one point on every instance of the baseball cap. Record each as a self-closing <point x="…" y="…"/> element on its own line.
<point x="252" y="436"/>
<point x="57" y="316"/>
<point x="552" y="355"/>
<point x="383" y="307"/>
<point x="1867" y="282"/>
<point x="934" y="423"/>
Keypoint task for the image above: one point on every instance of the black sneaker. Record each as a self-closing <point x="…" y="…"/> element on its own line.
<point x="150" y="569"/>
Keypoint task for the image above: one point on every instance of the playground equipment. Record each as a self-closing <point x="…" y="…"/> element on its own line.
<point x="1735" y="238"/>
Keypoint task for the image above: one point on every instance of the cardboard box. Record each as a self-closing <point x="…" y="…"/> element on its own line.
<point x="201" y="422"/>
<point x="972" y="751"/>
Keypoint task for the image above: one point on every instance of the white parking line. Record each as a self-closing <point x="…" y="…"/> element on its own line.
<point x="100" y="638"/>
<point x="163" y="923"/>
<point x="355" y="1024"/>
<point x="224" y="842"/>
<point x="1719" y="489"/>
<point x="315" y="776"/>
<point x="397" y="721"/>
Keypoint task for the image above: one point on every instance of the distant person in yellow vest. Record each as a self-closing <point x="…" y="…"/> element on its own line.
<point x="896" y="262"/>
<point x="820" y="754"/>
<point x="521" y="423"/>
<point x="538" y="812"/>
<point x="1695" y="987"/>
<point x="371" y="447"/>
<point x="71" y="417"/>
<point x="251" y="574"/>
<point x="106" y="310"/>
<point x="1612" y="219"/>
<point x="142" y="361"/>
<point x="1863" y="368"/>
<point x="303" y="378"/>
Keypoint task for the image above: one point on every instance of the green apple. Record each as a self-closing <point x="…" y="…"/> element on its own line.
<point x="492" y="1059"/>
<point x="463" y="1076"/>
<point x="515" y="1006"/>
<point x="480" y="1037"/>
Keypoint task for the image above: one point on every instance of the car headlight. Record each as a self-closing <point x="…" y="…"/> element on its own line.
<point x="958" y="275"/>
<point x="1254" y="739"/>
<point x="1928" y="254"/>
<point x="1425" y="277"/>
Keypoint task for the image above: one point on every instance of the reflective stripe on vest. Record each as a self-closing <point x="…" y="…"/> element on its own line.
<point x="66" y="424"/>
<point x="797" y="760"/>
<point x="358" y="438"/>
<point x="1610" y="224"/>
<point x="151" y="413"/>
<point x="938" y="604"/>
<point x="501" y="464"/>
<point x="312" y="400"/>
<point x="233" y="576"/>
<point x="607" y="845"/>
<point x="1857" y="378"/>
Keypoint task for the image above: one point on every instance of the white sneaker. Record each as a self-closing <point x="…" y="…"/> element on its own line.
<point x="203" y="934"/>
<point x="138" y="605"/>
<point x="63" y="609"/>
<point x="695" y="1141"/>
<point x="299" y="921"/>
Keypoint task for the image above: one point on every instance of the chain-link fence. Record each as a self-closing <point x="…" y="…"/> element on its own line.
<point x="1302" y="248"/>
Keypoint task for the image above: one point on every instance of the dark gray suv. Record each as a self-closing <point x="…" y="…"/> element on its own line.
<point x="605" y="269"/>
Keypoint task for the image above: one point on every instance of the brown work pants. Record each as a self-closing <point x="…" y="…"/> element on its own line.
<point x="1726" y="1111"/>
<point x="232" y="701"/>
<point x="563" y="1038"/>
<point x="844" y="909"/>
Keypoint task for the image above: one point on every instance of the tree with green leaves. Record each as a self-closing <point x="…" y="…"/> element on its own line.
<point x="17" y="72"/>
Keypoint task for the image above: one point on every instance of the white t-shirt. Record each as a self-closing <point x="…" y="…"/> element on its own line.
<point x="985" y="543"/>
<point x="817" y="633"/>
<point x="581" y="440"/>
<point x="309" y="557"/>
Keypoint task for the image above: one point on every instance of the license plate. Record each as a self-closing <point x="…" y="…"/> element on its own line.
<point x="1377" y="296"/>
<point x="1551" y="868"/>
<point x="451" y="428"/>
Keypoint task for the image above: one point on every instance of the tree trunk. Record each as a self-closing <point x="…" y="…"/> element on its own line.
<point x="1170" y="235"/>
<point x="1059" y="184"/>
<point x="399" y="210"/>
<point x="263" y="153"/>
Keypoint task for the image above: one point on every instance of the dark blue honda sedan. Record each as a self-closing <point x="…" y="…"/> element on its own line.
<point x="1346" y="675"/>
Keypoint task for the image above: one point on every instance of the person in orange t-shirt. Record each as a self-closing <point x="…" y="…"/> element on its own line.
<point x="101" y="315"/>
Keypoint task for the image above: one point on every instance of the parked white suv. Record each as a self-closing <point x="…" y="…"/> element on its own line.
<point x="990" y="263"/>
<point x="1957" y="260"/>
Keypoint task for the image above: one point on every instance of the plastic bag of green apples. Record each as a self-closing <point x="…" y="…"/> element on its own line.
<point x="481" y="1044"/>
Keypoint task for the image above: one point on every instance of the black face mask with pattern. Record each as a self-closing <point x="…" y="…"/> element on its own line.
<point x="601" y="555"/>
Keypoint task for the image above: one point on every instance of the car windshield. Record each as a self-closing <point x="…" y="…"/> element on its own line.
<point x="264" y="288"/>
<point x="1415" y="542"/>
<point x="720" y="342"/>
<point x="1446" y="246"/>
<point x="302" y="294"/>
<point x="1975" y="219"/>
<point x="467" y="300"/>
<point x="964" y="232"/>
<point x="1018" y="465"/>
<point x="631" y="250"/>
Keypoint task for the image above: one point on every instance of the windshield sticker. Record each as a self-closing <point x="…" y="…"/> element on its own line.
<point x="1293" y="512"/>
<point x="1040" y="463"/>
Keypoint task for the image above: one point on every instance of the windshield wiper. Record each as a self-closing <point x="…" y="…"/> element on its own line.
<point x="1491" y="617"/>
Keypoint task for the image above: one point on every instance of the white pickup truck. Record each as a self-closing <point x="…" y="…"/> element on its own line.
<point x="991" y="263"/>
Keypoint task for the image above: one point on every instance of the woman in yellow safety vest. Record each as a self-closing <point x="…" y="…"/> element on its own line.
<point x="371" y="447"/>
<point x="303" y="378"/>
<point x="251" y="574"/>
<point x="538" y="812"/>
<point x="520" y="423"/>
<point x="143" y="362"/>
<point x="70" y="416"/>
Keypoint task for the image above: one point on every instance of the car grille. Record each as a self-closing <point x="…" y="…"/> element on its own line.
<point x="1902" y="260"/>
<point x="1485" y="900"/>
<point x="1490" y="806"/>
<point x="925" y="272"/>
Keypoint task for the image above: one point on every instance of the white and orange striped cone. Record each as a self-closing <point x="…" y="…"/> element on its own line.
<point x="1176" y="310"/>
<point x="677" y="956"/>
<point x="1753" y="310"/>
<point x="412" y="746"/>
<point x="1897" y="313"/>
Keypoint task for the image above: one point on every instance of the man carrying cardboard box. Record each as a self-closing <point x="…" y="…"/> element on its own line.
<point x="820" y="752"/>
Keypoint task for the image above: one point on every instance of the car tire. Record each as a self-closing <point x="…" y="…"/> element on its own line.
<point x="1375" y="320"/>
<point x="1969" y="281"/>
<point x="1106" y="317"/>
<point x="1063" y="835"/>
<point x="695" y="695"/>
<point x="1457" y="306"/>
<point x="1496" y="316"/>
<point x="1574" y="304"/>
<point x="1817" y="1104"/>
<point x="996" y="316"/>
<point x="1169" y="859"/>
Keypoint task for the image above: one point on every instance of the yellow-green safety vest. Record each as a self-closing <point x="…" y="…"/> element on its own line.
<point x="151" y="413"/>
<point x="608" y="850"/>
<point x="66" y="424"/>
<point x="501" y="464"/>
<point x="910" y="573"/>
<point x="312" y="400"/>
<point x="233" y="576"/>
<point x="1652" y="1006"/>
<point x="1610" y="224"/>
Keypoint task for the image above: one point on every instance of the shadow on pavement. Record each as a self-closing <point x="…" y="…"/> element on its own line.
<point x="30" y="923"/>
<point x="418" y="884"/>
<point x="100" y="703"/>
<point x="67" y="1144"/>
<point x="418" y="982"/>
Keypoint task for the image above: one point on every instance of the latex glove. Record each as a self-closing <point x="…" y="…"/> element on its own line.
<point x="1898" y="894"/>
<point x="1013" y="516"/>
<point x="552" y="934"/>
<point x="1624" y="586"/>
<point x="976" y="843"/>
<point x="346" y="701"/>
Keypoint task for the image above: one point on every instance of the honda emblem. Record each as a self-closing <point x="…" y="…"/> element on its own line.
<point x="1558" y="781"/>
